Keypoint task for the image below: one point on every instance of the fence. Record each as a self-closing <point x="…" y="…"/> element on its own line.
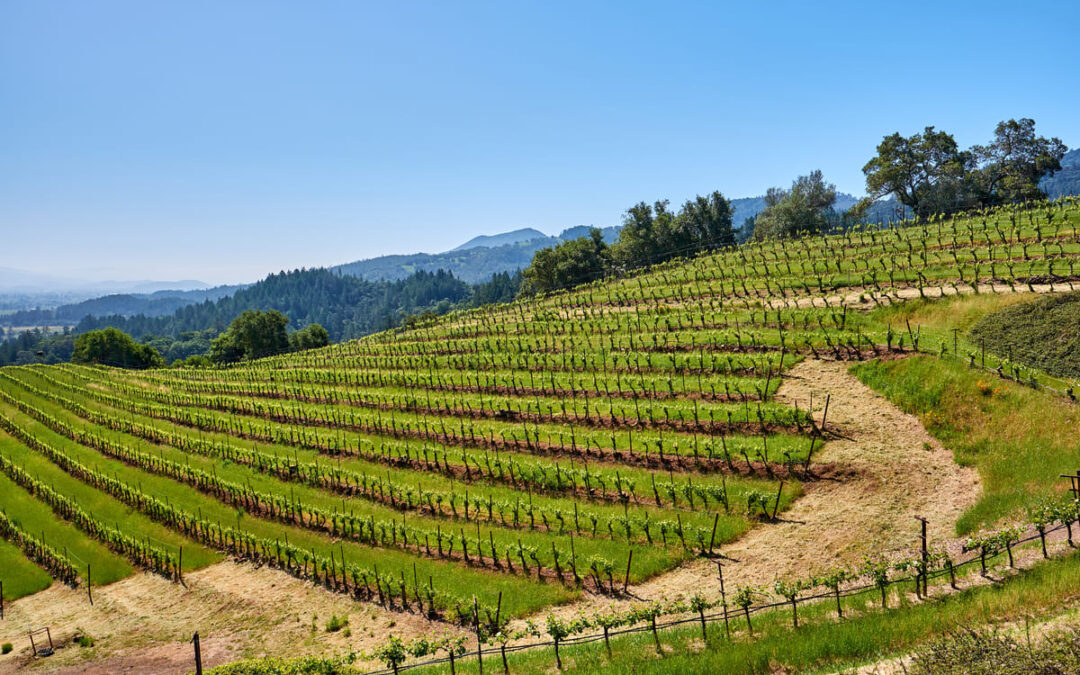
<point x="726" y="614"/>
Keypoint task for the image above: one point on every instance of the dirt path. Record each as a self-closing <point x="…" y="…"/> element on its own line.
<point x="862" y="296"/>
<point x="143" y="624"/>
<point x="896" y="471"/>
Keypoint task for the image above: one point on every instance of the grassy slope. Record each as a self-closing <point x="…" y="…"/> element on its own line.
<point x="20" y="576"/>
<point x="38" y="519"/>
<point x="949" y="322"/>
<point x="1020" y="439"/>
<point x="1043" y="334"/>
<point x="821" y="646"/>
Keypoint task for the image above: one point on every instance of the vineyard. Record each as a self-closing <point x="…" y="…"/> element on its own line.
<point x="495" y="463"/>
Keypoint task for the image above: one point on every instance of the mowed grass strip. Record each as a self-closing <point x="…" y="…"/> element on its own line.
<point x="39" y="520"/>
<point x="21" y="577"/>
<point x="101" y="506"/>
<point x="520" y="595"/>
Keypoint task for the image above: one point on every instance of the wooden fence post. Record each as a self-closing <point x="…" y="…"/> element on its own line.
<point x="723" y="599"/>
<point x="198" y="654"/>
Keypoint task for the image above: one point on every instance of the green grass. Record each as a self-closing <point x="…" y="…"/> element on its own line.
<point x="20" y="576"/>
<point x="39" y="520"/>
<point x="820" y="646"/>
<point x="1020" y="439"/>
<point x="100" y="505"/>
<point x="950" y="322"/>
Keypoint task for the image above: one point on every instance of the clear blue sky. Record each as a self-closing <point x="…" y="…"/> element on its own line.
<point x="225" y="140"/>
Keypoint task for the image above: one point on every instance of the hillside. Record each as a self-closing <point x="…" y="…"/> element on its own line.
<point x="598" y="451"/>
<point x="480" y="257"/>
<point x="159" y="303"/>
<point x="1067" y="181"/>
<point x="472" y="262"/>
<point x="506" y="238"/>
<point x="344" y="305"/>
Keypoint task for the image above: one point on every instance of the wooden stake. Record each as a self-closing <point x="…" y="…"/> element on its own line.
<point x="723" y="599"/>
<point x="198" y="654"/>
<point x="776" y="504"/>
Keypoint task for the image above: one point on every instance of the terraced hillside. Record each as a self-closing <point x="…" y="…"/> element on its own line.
<point x="500" y="461"/>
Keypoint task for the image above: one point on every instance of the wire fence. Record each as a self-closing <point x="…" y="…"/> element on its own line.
<point x="727" y="614"/>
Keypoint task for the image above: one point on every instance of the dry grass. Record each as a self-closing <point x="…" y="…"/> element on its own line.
<point x="143" y="624"/>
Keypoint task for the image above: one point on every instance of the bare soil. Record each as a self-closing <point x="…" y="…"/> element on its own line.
<point x="143" y="624"/>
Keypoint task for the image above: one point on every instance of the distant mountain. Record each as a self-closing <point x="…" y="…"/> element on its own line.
<point x="22" y="281"/>
<point x="496" y="240"/>
<point x="346" y="306"/>
<point x="1066" y="181"/>
<point x="469" y="263"/>
<point x="158" y="303"/>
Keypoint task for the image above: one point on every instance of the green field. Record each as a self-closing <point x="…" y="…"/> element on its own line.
<point x="522" y="456"/>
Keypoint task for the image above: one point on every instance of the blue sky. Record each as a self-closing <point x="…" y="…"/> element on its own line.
<point x="225" y="140"/>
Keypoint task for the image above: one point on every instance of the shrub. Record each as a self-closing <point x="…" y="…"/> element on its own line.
<point x="336" y="623"/>
<point x="6" y="649"/>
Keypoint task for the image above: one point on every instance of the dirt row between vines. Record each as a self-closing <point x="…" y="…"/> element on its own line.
<point x="897" y="471"/>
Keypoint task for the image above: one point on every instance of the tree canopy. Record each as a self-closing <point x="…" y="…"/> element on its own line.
<point x="929" y="173"/>
<point x="1016" y="160"/>
<point x="112" y="347"/>
<point x="654" y="233"/>
<point x="311" y="336"/>
<point x="802" y="210"/>
<point x="252" y="335"/>
<point x="567" y="264"/>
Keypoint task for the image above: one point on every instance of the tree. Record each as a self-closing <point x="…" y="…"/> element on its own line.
<point x="112" y="347"/>
<point x="654" y="233"/>
<point x="926" y="172"/>
<point x="567" y="264"/>
<point x="1013" y="164"/>
<point x="252" y="335"/>
<point x="704" y="223"/>
<point x="310" y="337"/>
<point x="802" y="210"/>
<point x="643" y="235"/>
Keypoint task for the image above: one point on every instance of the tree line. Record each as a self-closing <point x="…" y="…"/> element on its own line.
<point x="926" y="173"/>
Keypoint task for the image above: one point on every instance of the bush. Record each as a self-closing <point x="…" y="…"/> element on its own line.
<point x="336" y="623"/>
<point x="84" y="640"/>
<point x="6" y="649"/>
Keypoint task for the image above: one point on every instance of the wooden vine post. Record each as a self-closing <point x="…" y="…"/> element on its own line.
<point x="924" y="572"/>
<point x="479" y="640"/>
<point x="198" y="653"/>
<point x="723" y="598"/>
